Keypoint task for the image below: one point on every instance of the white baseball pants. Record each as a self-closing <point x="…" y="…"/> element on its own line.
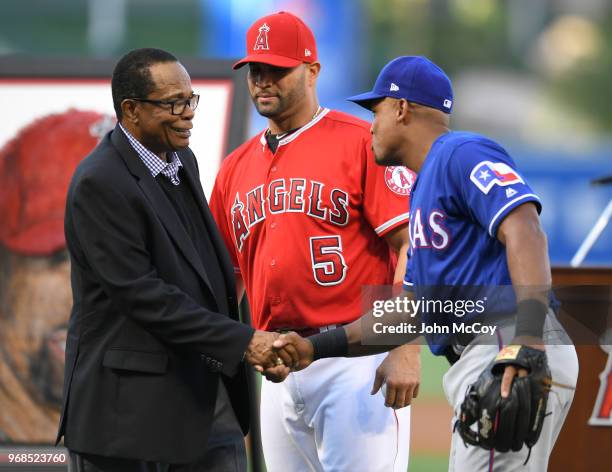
<point x="324" y="419"/>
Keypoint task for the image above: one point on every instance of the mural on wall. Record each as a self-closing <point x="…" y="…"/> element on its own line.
<point x="36" y="166"/>
<point x="58" y="115"/>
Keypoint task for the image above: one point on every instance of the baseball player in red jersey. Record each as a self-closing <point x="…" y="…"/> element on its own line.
<point x="309" y="220"/>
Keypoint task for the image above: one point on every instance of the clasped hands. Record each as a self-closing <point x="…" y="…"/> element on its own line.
<point x="277" y="355"/>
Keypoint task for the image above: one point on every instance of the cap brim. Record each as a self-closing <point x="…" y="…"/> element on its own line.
<point x="41" y="239"/>
<point x="365" y="99"/>
<point x="270" y="59"/>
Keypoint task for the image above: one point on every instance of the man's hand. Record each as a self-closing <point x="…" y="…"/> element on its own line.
<point x="260" y="354"/>
<point x="488" y="421"/>
<point x="512" y="371"/>
<point x="401" y="372"/>
<point x="275" y="374"/>
<point x="299" y="347"/>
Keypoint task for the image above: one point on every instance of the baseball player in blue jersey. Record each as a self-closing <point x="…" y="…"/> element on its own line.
<point x="474" y="222"/>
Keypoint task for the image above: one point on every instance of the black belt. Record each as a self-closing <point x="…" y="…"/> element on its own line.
<point x="460" y="341"/>
<point x="305" y="332"/>
<point x="451" y="356"/>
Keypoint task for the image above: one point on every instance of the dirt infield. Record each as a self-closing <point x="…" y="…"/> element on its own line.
<point x="431" y="426"/>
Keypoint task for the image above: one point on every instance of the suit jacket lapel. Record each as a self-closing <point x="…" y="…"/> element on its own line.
<point x="225" y="262"/>
<point x="160" y="204"/>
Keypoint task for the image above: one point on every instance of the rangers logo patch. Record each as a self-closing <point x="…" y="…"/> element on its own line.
<point x="399" y="179"/>
<point x="487" y="174"/>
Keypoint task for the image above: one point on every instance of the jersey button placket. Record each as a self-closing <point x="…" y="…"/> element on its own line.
<point x="272" y="224"/>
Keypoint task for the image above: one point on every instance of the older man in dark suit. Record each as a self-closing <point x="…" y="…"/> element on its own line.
<point x="155" y="350"/>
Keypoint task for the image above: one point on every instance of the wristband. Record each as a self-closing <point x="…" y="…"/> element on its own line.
<point x="333" y="343"/>
<point x="530" y="316"/>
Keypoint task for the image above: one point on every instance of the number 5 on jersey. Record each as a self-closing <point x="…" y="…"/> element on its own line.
<point x="328" y="264"/>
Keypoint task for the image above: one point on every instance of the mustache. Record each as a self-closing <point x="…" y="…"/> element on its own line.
<point x="47" y="368"/>
<point x="265" y="95"/>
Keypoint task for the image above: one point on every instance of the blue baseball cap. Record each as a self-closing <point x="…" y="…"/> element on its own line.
<point x="413" y="78"/>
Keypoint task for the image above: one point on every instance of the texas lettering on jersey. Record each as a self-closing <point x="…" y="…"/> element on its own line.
<point x="298" y="195"/>
<point x="428" y="231"/>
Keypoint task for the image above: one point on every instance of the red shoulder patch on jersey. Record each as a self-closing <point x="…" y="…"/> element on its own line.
<point x="399" y="179"/>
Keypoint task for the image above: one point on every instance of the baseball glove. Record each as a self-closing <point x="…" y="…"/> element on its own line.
<point x="507" y="424"/>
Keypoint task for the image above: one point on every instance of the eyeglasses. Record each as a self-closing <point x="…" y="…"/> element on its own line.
<point x="177" y="106"/>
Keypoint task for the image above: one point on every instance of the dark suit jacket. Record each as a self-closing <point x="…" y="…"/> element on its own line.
<point x="148" y="340"/>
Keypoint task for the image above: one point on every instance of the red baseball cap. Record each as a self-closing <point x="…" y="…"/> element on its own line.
<point x="35" y="170"/>
<point x="281" y="40"/>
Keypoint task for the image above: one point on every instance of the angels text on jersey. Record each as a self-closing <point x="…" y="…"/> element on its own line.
<point x="297" y="195"/>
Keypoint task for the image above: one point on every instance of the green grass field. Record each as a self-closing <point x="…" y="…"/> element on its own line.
<point x="432" y="370"/>
<point x="424" y="463"/>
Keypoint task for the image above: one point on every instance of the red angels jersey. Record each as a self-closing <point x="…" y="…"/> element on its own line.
<point x="305" y="225"/>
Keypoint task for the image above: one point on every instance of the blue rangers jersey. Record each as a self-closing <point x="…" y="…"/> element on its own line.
<point x="467" y="185"/>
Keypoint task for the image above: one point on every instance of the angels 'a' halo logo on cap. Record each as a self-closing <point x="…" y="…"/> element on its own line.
<point x="280" y="40"/>
<point x="399" y="179"/>
<point x="261" y="43"/>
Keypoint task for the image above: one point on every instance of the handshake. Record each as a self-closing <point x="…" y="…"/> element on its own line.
<point x="276" y="355"/>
